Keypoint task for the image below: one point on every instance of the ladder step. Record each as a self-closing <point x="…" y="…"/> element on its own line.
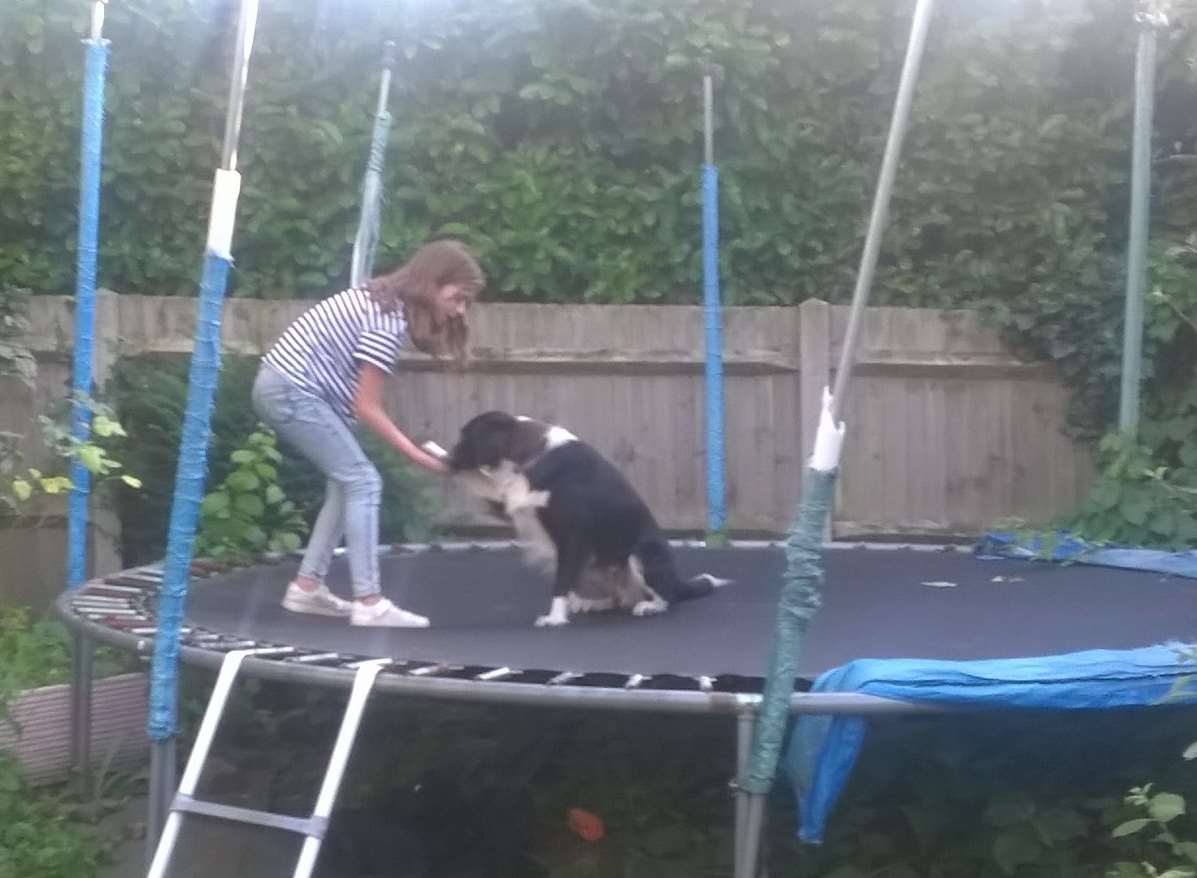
<point x="313" y="827"/>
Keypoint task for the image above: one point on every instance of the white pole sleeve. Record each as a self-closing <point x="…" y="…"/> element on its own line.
<point x="829" y="439"/>
<point x="225" y="191"/>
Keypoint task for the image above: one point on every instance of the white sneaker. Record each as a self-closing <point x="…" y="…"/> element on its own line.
<point x="320" y="602"/>
<point x="382" y="613"/>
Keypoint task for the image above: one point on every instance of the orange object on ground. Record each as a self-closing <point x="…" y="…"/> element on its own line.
<point x="588" y="826"/>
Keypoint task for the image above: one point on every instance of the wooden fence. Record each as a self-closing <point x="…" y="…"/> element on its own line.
<point x="948" y="432"/>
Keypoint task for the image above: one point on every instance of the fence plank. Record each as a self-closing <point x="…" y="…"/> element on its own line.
<point x="948" y="432"/>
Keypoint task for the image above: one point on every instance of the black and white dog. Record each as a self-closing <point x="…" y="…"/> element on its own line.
<point x="575" y="516"/>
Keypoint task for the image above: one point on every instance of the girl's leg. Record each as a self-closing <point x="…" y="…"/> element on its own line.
<point x="308" y="593"/>
<point x="325" y="537"/>
<point x="274" y="402"/>
<point x="326" y="440"/>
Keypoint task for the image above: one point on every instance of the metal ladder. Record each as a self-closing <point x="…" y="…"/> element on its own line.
<point x="312" y="828"/>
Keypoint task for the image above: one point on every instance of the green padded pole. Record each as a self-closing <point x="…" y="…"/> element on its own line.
<point x="801" y="594"/>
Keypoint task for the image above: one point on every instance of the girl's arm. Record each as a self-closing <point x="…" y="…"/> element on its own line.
<point x="367" y="407"/>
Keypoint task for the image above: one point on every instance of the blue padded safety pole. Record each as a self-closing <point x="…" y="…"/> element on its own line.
<point x="801" y="592"/>
<point x="1136" y="253"/>
<point x="716" y="502"/>
<point x="90" y="149"/>
<point x="162" y="724"/>
<point x="91" y="138"/>
<point x="366" y="241"/>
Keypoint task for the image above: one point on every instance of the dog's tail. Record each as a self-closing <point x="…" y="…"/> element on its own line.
<point x="660" y="574"/>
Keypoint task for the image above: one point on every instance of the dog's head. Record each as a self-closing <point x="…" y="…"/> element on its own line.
<point x="490" y="438"/>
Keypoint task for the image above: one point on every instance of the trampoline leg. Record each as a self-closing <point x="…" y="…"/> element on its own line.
<point x="754" y="824"/>
<point x="750" y="809"/>
<point x="162" y="790"/>
<point x="81" y="681"/>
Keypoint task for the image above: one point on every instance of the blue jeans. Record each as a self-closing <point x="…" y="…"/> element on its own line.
<point x="353" y="491"/>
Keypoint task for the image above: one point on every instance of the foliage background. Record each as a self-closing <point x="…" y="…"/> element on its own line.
<point x="562" y="139"/>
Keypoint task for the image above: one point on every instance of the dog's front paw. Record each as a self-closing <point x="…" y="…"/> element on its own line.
<point x="650" y="608"/>
<point x="558" y="614"/>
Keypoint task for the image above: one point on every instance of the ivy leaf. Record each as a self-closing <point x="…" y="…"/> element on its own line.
<point x="21" y="489"/>
<point x="249" y="505"/>
<point x="243" y="456"/>
<point x="1165" y="807"/>
<point x="1130" y="827"/>
<point x="1014" y="849"/>
<point x="105" y="427"/>
<point x="1136" y="509"/>
<point x="131" y="481"/>
<point x="216" y="502"/>
<point x="1009" y="810"/>
<point x="1191" y="751"/>
<point x="274" y="494"/>
<point x="243" y="480"/>
<point x="56" y="485"/>
<point x="92" y="458"/>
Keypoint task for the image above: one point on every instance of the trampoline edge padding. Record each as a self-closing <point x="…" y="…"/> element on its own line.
<point x="701" y="656"/>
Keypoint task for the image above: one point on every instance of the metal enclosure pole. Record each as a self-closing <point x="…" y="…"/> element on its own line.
<point x="1136" y="255"/>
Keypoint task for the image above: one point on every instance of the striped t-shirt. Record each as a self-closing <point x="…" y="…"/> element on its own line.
<point x="322" y="351"/>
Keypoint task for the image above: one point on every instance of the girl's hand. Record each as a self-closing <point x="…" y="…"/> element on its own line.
<point x="367" y="406"/>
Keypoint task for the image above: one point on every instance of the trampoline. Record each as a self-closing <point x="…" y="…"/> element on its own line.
<point x="903" y="602"/>
<point x="882" y="604"/>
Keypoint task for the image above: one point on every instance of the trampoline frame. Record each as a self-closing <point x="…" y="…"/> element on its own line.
<point x="121" y="596"/>
<point x="121" y="599"/>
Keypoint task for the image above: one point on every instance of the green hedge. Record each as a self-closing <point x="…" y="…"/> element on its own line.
<point x="562" y="138"/>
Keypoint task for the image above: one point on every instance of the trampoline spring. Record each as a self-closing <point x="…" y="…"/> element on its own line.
<point x="258" y="651"/>
<point x="564" y="677"/>
<point x="104" y="586"/>
<point x="311" y="658"/>
<point x="122" y="609"/>
<point x="495" y="674"/>
<point x="634" y="681"/>
<point x="90" y="601"/>
<point x="381" y="662"/>
<point x="134" y="576"/>
<point x="428" y="670"/>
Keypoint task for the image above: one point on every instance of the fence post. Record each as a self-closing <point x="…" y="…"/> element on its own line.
<point x="814" y="365"/>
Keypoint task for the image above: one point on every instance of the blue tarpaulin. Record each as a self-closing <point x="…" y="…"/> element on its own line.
<point x="1064" y="547"/>
<point x="822" y="750"/>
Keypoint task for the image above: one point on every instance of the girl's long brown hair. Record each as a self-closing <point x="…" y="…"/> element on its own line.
<point x="415" y="285"/>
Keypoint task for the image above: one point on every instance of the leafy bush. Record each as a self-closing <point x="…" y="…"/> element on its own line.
<point x="37" y="652"/>
<point x="563" y="140"/>
<point x="38" y="838"/>
<point x="150" y="394"/>
<point x="248" y="513"/>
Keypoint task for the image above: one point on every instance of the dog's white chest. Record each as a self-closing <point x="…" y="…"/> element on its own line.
<point x="520" y="502"/>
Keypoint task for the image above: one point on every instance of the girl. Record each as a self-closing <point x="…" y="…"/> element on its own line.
<point x="327" y="371"/>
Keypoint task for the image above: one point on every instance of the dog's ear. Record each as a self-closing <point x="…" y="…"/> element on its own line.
<point x="526" y="442"/>
<point x="485" y="441"/>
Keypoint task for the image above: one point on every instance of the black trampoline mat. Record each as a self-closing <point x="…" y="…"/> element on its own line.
<point x="482" y="605"/>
